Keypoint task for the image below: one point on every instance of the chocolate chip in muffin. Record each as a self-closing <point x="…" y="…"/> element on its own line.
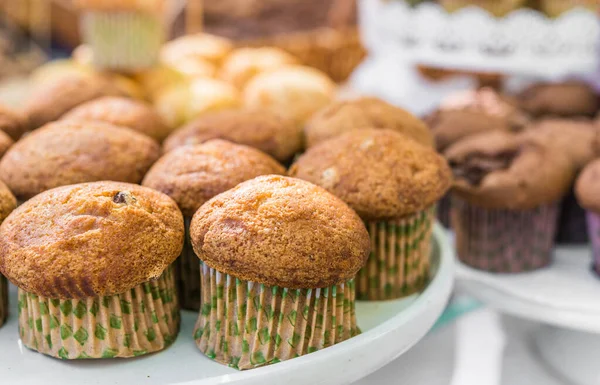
<point x="477" y="166"/>
<point x="124" y="197"/>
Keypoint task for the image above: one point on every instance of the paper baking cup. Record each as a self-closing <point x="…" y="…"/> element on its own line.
<point x="123" y="40"/>
<point x="572" y="227"/>
<point x="593" y="221"/>
<point x="443" y="210"/>
<point x="504" y="241"/>
<point x="3" y="299"/>
<point x="187" y="272"/>
<point x="143" y="320"/>
<point x="246" y="325"/>
<point x="400" y="254"/>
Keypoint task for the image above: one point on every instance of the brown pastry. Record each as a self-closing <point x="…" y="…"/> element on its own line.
<point x="13" y="123"/>
<point x="570" y="98"/>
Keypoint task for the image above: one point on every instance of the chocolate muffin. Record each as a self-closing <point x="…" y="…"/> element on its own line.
<point x="125" y="112"/>
<point x="7" y="204"/>
<point x="192" y="175"/>
<point x="505" y="200"/>
<point x="261" y="129"/>
<point x="278" y="258"/>
<point x="69" y="152"/>
<point x="587" y="191"/>
<point x="566" y="99"/>
<point x="97" y="283"/>
<point x="393" y="183"/>
<point x="12" y="123"/>
<point x="344" y="116"/>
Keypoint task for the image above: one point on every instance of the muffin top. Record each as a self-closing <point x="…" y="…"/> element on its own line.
<point x="499" y="170"/>
<point x="151" y="6"/>
<point x="344" y="116"/>
<point x="261" y="129"/>
<point x="203" y="46"/>
<point x="90" y="239"/>
<point x="125" y="112"/>
<point x="12" y="123"/>
<point x="69" y="152"/>
<point x="587" y="188"/>
<point x="294" y="91"/>
<point x="381" y="174"/>
<point x="191" y="175"/>
<point x="563" y="99"/>
<point x="53" y="99"/>
<point x="8" y="202"/>
<point x="471" y="112"/>
<point x="281" y="231"/>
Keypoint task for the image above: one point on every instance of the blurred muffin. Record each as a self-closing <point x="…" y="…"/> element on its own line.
<point x="70" y="152"/>
<point x="263" y="130"/>
<point x="295" y="91"/>
<point x="587" y="191"/>
<point x="561" y="99"/>
<point x="288" y="248"/>
<point x="12" y="123"/>
<point x="505" y="200"/>
<point x="344" y="116"/>
<point x="102" y="286"/>
<point x="154" y="81"/>
<point x="5" y="143"/>
<point x="245" y="63"/>
<point x="192" y="175"/>
<point x="393" y="183"/>
<point x="555" y="8"/>
<point x="202" y="46"/>
<point x="7" y="204"/>
<point x="497" y="8"/>
<point x="123" y="112"/>
<point x="56" y="69"/>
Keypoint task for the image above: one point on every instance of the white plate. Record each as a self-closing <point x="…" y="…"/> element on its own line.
<point x="389" y="329"/>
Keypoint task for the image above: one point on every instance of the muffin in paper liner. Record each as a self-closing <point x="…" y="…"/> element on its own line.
<point x="142" y="320"/>
<point x="187" y="273"/>
<point x="246" y="325"/>
<point x="572" y="227"/>
<point x="502" y="240"/>
<point x="400" y="257"/>
<point x="3" y="299"/>
<point x="593" y="221"/>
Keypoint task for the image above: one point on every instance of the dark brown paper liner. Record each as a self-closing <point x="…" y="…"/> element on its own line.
<point x="3" y="299"/>
<point x="400" y="257"/>
<point x="246" y="325"/>
<point x="188" y="273"/>
<point x="143" y="320"/>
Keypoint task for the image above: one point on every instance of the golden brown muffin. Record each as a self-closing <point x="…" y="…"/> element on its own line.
<point x="281" y="231"/>
<point x="5" y="143"/>
<point x="13" y="123"/>
<point x="381" y="174"/>
<point x="263" y="130"/>
<point x="210" y="48"/>
<point x="587" y="188"/>
<point x="192" y="175"/>
<point x="344" y="116"/>
<point x="295" y="91"/>
<point x="124" y="112"/>
<point x="63" y="153"/>
<point x="8" y="202"/>
<point x="499" y="170"/>
<point x="52" y="100"/>
<point x="91" y="239"/>
<point x="570" y="98"/>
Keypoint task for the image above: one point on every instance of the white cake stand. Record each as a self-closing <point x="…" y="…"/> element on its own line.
<point x="389" y="328"/>
<point x="565" y="297"/>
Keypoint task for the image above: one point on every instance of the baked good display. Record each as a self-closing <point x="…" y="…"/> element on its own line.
<point x="69" y="152"/>
<point x="98" y="282"/>
<point x="12" y="123"/>
<point x="587" y="192"/>
<point x="7" y="204"/>
<point x="566" y="99"/>
<point x="192" y="175"/>
<point x="393" y="183"/>
<point x="268" y="248"/>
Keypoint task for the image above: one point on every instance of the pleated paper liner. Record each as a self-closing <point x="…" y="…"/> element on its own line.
<point x="187" y="270"/>
<point x="246" y="325"/>
<point x="400" y="257"/>
<point x="143" y="320"/>
<point x="593" y="220"/>
<point x="443" y="210"/>
<point x="504" y="241"/>
<point x="572" y="226"/>
<point x="3" y="299"/>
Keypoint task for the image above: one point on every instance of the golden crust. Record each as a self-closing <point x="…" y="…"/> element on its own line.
<point x="63" y="153"/>
<point x="8" y="202"/>
<point x="192" y="175"/>
<point x="13" y="123"/>
<point x="587" y="188"/>
<point x="344" y="116"/>
<point x="381" y="174"/>
<point x="261" y="129"/>
<point x="281" y="231"/>
<point x="124" y="112"/>
<point x="91" y="239"/>
<point x="561" y="99"/>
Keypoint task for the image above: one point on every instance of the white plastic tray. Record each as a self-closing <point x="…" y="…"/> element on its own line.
<point x="389" y="329"/>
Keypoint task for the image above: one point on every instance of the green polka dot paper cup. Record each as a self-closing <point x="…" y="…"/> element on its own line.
<point x="246" y="325"/>
<point x="188" y="274"/>
<point x="3" y="299"/>
<point x="143" y="320"/>
<point x="400" y="257"/>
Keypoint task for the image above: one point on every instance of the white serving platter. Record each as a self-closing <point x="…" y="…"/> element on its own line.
<point x="389" y="328"/>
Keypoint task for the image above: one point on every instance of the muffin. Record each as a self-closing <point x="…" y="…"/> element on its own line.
<point x="587" y="191"/>
<point x="498" y="8"/>
<point x="202" y="46"/>
<point x="124" y="112"/>
<point x="98" y="282"/>
<point x="393" y="183"/>
<point x="192" y="175"/>
<point x="344" y="116"/>
<point x="70" y="152"/>
<point x="566" y="99"/>
<point x="7" y="204"/>
<point x="295" y="91"/>
<point x="245" y="63"/>
<point x="555" y="8"/>
<point x="261" y="129"/>
<point x="505" y="200"/>
<point x="12" y="123"/>
<point x="278" y="258"/>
